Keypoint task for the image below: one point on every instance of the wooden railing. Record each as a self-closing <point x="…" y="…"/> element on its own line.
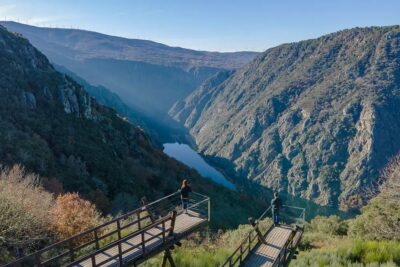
<point x="91" y="239"/>
<point x="293" y="215"/>
<point x="101" y="237"/>
<point x="251" y="240"/>
<point x="164" y="235"/>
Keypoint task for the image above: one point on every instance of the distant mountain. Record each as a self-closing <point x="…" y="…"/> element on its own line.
<point x="50" y="125"/>
<point x="146" y="75"/>
<point x="317" y="118"/>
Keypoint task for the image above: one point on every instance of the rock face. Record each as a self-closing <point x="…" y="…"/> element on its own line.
<point x="317" y="118"/>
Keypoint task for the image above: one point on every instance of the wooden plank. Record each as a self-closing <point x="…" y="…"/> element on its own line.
<point x="184" y="223"/>
<point x="265" y="254"/>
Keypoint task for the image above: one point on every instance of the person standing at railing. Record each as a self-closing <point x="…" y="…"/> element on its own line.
<point x="276" y="205"/>
<point x="185" y="190"/>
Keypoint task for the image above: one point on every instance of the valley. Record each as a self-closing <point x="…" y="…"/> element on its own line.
<point x="290" y="147"/>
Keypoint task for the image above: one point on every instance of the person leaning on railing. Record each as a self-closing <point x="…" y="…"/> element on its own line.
<point x="276" y="205"/>
<point x="185" y="190"/>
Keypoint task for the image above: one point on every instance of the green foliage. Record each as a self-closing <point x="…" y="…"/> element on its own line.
<point x="380" y="219"/>
<point x="357" y="253"/>
<point x="331" y="225"/>
<point x="377" y="221"/>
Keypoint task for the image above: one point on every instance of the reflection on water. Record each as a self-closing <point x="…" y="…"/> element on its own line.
<point x="191" y="158"/>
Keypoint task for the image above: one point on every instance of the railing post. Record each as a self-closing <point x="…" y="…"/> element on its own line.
<point x="241" y="254"/>
<point x="38" y="261"/>
<point x="96" y="238"/>
<point x="93" y="257"/>
<point x="119" y="243"/>
<point x="143" y="243"/>
<point x="173" y="218"/>
<point x="209" y="210"/>
<point x="144" y="204"/>
<point x="120" y="253"/>
<point x="119" y="230"/>
<point x="163" y="231"/>
<point x="71" y="251"/>
<point x="138" y="218"/>
<point x="258" y="232"/>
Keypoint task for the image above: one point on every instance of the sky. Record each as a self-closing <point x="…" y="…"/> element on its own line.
<point x="214" y="25"/>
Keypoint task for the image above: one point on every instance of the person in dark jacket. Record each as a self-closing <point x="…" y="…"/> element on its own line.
<point x="276" y="205"/>
<point x="185" y="190"/>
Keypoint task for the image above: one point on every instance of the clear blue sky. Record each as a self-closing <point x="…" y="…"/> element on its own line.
<point x="217" y="25"/>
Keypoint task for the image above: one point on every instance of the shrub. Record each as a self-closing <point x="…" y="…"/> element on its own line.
<point x="72" y="215"/>
<point x="331" y="225"/>
<point x="379" y="220"/>
<point x="357" y="253"/>
<point x="24" y="208"/>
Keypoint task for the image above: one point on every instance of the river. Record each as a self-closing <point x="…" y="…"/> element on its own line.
<point x="191" y="158"/>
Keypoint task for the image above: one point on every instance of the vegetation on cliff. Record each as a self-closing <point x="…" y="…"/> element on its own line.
<point x="317" y="118"/>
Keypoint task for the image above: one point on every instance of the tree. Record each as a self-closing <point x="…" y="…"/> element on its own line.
<point x="24" y="208"/>
<point x="380" y="219"/>
<point x="72" y="215"/>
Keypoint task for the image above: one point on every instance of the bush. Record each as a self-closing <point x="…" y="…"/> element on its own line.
<point x="24" y="208"/>
<point x="331" y="225"/>
<point x="72" y="215"/>
<point x="357" y="253"/>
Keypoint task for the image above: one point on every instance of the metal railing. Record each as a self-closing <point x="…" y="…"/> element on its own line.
<point x="85" y="244"/>
<point x="291" y="215"/>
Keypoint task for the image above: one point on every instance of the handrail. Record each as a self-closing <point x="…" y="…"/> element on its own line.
<point x="246" y="245"/>
<point x="129" y="236"/>
<point x="92" y="231"/>
<point x="137" y="218"/>
<point x="264" y="213"/>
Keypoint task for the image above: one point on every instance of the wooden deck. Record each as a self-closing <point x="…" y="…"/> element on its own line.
<point x="184" y="225"/>
<point x="265" y="254"/>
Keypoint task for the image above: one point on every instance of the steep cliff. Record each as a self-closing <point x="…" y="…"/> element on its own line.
<point x="317" y="118"/>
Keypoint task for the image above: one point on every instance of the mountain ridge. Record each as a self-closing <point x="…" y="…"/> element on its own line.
<point x="315" y="118"/>
<point x="69" y="37"/>
<point x="148" y="76"/>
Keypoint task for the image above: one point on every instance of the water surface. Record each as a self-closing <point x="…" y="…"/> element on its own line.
<point x="191" y="158"/>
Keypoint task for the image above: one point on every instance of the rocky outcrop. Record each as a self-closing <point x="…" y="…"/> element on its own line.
<point x="317" y="119"/>
<point x="74" y="99"/>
